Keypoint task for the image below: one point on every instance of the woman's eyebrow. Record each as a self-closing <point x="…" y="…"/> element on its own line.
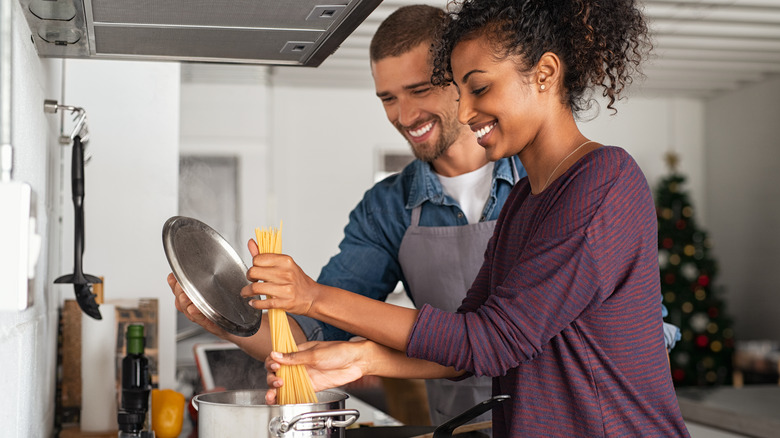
<point x="466" y="76"/>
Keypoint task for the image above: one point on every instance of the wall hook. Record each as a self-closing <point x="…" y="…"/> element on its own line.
<point x="79" y="116"/>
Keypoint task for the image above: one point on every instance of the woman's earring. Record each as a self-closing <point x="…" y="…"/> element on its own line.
<point x="542" y="87"/>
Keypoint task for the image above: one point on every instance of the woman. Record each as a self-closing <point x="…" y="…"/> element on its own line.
<point x="563" y="314"/>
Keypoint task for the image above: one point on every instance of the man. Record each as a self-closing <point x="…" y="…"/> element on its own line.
<point x="427" y="226"/>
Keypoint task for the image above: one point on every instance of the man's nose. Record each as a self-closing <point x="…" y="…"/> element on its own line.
<point x="408" y="113"/>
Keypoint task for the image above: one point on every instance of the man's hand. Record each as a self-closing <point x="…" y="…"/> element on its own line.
<point x="185" y="306"/>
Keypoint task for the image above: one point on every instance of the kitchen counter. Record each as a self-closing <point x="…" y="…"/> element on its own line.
<point x="753" y="410"/>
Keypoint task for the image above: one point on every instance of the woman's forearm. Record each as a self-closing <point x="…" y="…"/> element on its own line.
<point x="372" y="319"/>
<point x="383" y="361"/>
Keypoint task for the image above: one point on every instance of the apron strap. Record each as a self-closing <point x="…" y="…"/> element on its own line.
<point x="416" y="216"/>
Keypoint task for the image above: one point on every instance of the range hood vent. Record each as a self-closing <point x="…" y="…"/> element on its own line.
<point x="271" y="32"/>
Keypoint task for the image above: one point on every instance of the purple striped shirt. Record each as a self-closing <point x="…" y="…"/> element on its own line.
<point x="564" y="313"/>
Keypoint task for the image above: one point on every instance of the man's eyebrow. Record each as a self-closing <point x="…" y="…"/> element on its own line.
<point x="417" y="85"/>
<point x="466" y="76"/>
<point x="406" y="87"/>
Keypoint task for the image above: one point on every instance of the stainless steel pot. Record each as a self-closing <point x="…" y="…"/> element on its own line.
<point x="244" y="413"/>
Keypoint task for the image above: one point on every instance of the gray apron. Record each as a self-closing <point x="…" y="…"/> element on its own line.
<point x="440" y="264"/>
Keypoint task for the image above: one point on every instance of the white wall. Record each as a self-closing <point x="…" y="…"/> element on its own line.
<point x="219" y="118"/>
<point x="648" y="129"/>
<point x="325" y="146"/>
<point x="131" y="183"/>
<point x="742" y="161"/>
<point x="28" y="338"/>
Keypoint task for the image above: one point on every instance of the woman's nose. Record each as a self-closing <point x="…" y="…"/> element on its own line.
<point x="465" y="110"/>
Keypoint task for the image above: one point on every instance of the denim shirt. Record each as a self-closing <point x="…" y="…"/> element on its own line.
<point x="367" y="262"/>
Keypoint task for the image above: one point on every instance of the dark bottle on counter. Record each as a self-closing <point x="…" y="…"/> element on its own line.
<point x="136" y="385"/>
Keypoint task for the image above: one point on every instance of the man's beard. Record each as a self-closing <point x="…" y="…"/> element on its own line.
<point x="428" y="151"/>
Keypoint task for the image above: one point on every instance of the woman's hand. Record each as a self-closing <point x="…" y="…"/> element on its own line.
<point x="281" y="280"/>
<point x="185" y="306"/>
<point x="329" y="364"/>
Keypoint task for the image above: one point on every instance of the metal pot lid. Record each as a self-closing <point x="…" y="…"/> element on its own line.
<point x="211" y="273"/>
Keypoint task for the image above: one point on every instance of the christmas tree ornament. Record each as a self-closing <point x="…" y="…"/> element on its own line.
<point x="689" y="271"/>
<point x="682" y="358"/>
<point x="663" y="258"/>
<point x="699" y="321"/>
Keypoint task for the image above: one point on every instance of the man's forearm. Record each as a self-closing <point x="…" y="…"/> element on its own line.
<point x="259" y="345"/>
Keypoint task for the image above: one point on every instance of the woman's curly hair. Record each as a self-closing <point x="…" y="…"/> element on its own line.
<point x="600" y="42"/>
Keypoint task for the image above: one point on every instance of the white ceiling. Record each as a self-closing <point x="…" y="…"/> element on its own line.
<point x="702" y="48"/>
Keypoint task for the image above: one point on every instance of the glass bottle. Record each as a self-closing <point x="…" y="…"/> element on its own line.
<point x="136" y="385"/>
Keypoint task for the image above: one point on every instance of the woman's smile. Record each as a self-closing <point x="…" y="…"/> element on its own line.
<point x="483" y="131"/>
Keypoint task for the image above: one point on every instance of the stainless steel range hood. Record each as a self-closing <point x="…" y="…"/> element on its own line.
<point x="274" y="32"/>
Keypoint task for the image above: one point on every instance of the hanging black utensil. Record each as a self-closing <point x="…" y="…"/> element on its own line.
<point x="82" y="283"/>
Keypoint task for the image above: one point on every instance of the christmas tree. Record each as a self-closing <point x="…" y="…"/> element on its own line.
<point x="703" y="355"/>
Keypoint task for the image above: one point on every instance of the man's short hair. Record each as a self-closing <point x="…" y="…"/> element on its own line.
<point x="405" y="29"/>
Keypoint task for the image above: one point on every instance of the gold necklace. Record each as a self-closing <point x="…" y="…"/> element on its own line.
<point x="559" y="164"/>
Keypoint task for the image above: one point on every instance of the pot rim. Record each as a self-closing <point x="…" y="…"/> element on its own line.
<point x="202" y="399"/>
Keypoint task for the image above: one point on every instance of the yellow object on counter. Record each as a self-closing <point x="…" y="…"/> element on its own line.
<point x="167" y="413"/>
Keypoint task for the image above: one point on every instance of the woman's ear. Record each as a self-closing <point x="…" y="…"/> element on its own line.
<point x="548" y="71"/>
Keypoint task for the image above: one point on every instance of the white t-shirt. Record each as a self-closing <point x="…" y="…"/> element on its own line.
<point x="470" y="190"/>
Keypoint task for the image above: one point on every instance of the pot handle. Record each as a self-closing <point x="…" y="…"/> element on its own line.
<point x="446" y="429"/>
<point x="318" y="421"/>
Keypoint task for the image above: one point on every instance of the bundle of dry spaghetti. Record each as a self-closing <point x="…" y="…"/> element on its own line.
<point x="297" y="386"/>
